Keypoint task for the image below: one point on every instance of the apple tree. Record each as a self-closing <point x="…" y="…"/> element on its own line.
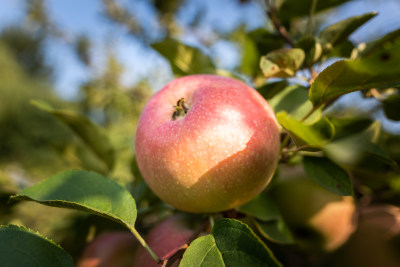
<point x="280" y="164"/>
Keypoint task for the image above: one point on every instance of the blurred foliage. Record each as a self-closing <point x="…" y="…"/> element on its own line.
<point x="344" y="151"/>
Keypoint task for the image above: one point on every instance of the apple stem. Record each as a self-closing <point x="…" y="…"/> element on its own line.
<point x="144" y="244"/>
<point x="180" y="109"/>
<point x="211" y="220"/>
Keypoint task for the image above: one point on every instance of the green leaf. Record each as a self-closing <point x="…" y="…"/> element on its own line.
<point x="261" y="207"/>
<point x="92" y="135"/>
<point x="276" y="231"/>
<point x="300" y="132"/>
<point x="375" y="151"/>
<point x="379" y="70"/>
<point x="340" y="31"/>
<point x="86" y="191"/>
<point x="328" y="175"/>
<point x="294" y="100"/>
<point x="293" y="8"/>
<point x="250" y="57"/>
<point x="350" y="150"/>
<point x="391" y="107"/>
<point x="343" y="50"/>
<point x="20" y="246"/>
<point x="269" y="90"/>
<point x="265" y="40"/>
<point x="282" y="63"/>
<point x="376" y="46"/>
<point x="312" y="48"/>
<point x="268" y="219"/>
<point x="184" y="59"/>
<point x="202" y="252"/>
<point x="231" y="243"/>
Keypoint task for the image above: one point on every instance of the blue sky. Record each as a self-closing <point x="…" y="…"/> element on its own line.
<point x="84" y="16"/>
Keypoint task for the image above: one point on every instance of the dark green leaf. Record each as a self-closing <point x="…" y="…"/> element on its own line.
<point x="340" y="31"/>
<point x="276" y="231"/>
<point x="231" y="243"/>
<point x="20" y="246"/>
<point x="346" y="127"/>
<point x="378" y="153"/>
<point x="268" y="219"/>
<point x="350" y="150"/>
<point x="376" y="46"/>
<point x="87" y="191"/>
<point x="93" y="136"/>
<point x="391" y="107"/>
<point x="293" y="8"/>
<point x="282" y="63"/>
<point x="328" y="175"/>
<point x="269" y="90"/>
<point x="378" y="70"/>
<point x="261" y="207"/>
<point x="265" y="40"/>
<point x="184" y="59"/>
<point x="343" y="50"/>
<point x="312" y="48"/>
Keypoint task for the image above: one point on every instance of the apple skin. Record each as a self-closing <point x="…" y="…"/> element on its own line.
<point x="320" y="220"/>
<point x="218" y="156"/>
<point x="114" y="249"/>
<point x="168" y="235"/>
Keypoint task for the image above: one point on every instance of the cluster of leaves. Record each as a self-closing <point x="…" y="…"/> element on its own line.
<point x="346" y="154"/>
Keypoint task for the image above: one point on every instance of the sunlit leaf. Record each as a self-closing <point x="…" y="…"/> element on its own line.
<point x="282" y="63"/>
<point x="231" y="243"/>
<point x="379" y="70"/>
<point x="294" y="100"/>
<point x="203" y="252"/>
<point x="20" y="246"/>
<point x="300" y="132"/>
<point x="184" y="59"/>
<point x="92" y="135"/>
<point x="340" y="31"/>
<point x="293" y="8"/>
<point x="328" y="175"/>
<point x="86" y="191"/>
<point x="250" y="57"/>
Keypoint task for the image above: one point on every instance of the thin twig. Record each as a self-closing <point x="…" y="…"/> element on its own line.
<point x="272" y="13"/>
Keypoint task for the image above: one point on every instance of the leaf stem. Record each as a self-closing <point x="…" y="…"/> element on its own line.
<point x="285" y="141"/>
<point x="310" y="112"/>
<point x="144" y="244"/>
<point x="310" y="22"/>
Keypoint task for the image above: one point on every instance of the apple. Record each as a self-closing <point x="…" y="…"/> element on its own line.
<point x="164" y="239"/>
<point x="110" y="249"/>
<point x="320" y="220"/>
<point x="374" y="241"/>
<point x="206" y="143"/>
